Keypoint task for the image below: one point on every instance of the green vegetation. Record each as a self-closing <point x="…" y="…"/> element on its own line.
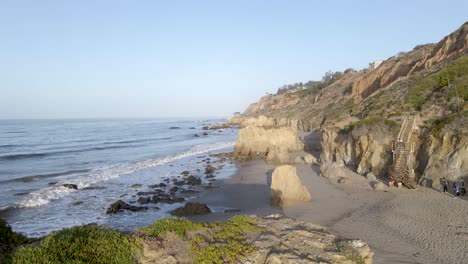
<point x="451" y="81"/>
<point x="9" y="240"/>
<point x="226" y="241"/>
<point x="313" y="87"/>
<point x="369" y="122"/>
<point x="438" y="124"/>
<point x="83" y="244"/>
<point x="179" y="226"/>
<point x="8" y="237"/>
<point x="349" y="254"/>
<point x="221" y="242"/>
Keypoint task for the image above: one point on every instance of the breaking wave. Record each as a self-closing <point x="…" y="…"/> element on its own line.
<point x="44" y="196"/>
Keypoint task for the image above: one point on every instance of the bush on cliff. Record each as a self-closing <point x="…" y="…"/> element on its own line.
<point x="451" y="81"/>
<point x="369" y="124"/>
<point x="436" y="125"/>
<point x="83" y="244"/>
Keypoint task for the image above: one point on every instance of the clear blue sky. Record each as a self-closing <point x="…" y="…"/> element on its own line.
<point x="97" y="59"/>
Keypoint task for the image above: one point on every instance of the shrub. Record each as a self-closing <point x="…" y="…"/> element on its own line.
<point x="176" y="225"/>
<point x="438" y="124"/>
<point x="226" y="241"/>
<point x="83" y="244"/>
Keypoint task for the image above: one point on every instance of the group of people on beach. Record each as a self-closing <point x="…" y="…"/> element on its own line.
<point x="457" y="188"/>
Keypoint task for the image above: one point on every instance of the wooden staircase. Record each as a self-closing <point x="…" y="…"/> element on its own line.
<point x="402" y="168"/>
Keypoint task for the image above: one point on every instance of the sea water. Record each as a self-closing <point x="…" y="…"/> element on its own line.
<point x="38" y="156"/>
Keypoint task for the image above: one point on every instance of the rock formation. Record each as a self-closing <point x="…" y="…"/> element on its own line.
<point x="279" y="240"/>
<point x="192" y="208"/>
<point x="444" y="155"/>
<point x="121" y="205"/>
<point x="256" y="141"/>
<point x="286" y="187"/>
<point x="366" y="148"/>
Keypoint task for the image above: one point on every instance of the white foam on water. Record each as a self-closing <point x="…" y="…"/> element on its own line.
<point x="44" y="196"/>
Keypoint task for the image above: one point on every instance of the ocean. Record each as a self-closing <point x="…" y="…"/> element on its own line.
<point x="104" y="158"/>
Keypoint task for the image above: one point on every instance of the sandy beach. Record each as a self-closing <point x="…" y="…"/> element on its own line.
<point x="400" y="225"/>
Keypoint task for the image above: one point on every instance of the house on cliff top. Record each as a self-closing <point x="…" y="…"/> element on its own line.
<point x="375" y="64"/>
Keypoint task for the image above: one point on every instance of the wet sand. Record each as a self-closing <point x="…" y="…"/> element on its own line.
<point x="401" y="226"/>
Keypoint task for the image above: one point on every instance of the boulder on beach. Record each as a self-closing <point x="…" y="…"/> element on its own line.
<point x="192" y="208"/>
<point x="370" y="176"/>
<point x="299" y="160"/>
<point x="334" y="171"/>
<point x="277" y="156"/>
<point x="286" y="187"/>
<point x="379" y="186"/>
<point x="121" y="205"/>
<point x="310" y="159"/>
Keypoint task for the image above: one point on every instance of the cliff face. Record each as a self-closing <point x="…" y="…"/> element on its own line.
<point x="368" y="148"/>
<point x="444" y="154"/>
<point x="449" y="48"/>
<point x="263" y="121"/>
<point x="365" y="149"/>
<point x="259" y="141"/>
<point x="304" y="111"/>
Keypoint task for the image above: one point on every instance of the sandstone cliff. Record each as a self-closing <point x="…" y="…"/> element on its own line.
<point x="423" y="58"/>
<point x="254" y="141"/>
<point x="364" y="147"/>
<point x="444" y="154"/>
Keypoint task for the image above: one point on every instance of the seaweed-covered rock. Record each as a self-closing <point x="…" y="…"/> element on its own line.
<point x="193" y="180"/>
<point x="209" y="169"/>
<point x="121" y="205"/>
<point x="192" y="208"/>
<point x="70" y="186"/>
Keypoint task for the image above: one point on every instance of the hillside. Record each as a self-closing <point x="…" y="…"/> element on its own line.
<point x="360" y="113"/>
<point x="408" y="83"/>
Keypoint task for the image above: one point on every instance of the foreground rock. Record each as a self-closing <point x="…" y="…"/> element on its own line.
<point x="192" y="208"/>
<point x="278" y="156"/>
<point x="271" y="239"/>
<point x="241" y="239"/>
<point x="121" y="205"/>
<point x="256" y="142"/>
<point x="286" y="187"/>
<point x="335" y="172"/>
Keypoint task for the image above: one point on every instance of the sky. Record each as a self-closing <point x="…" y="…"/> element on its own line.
<point x="190" y="59"/>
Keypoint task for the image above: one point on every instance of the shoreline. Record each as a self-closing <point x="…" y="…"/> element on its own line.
<point x="400" y="225"/>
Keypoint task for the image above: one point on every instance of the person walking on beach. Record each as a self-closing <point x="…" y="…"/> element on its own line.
<point x="445" y="183"/>
<point x="456" y="189"/>
<point x="462" y="187"/>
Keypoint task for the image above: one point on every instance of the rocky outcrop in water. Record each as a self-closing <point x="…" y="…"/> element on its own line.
<point x="192" y="208"/>
<point x="121" y="205"/>
<point x="256" y="141"/>
<point x="286" y="187"/>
